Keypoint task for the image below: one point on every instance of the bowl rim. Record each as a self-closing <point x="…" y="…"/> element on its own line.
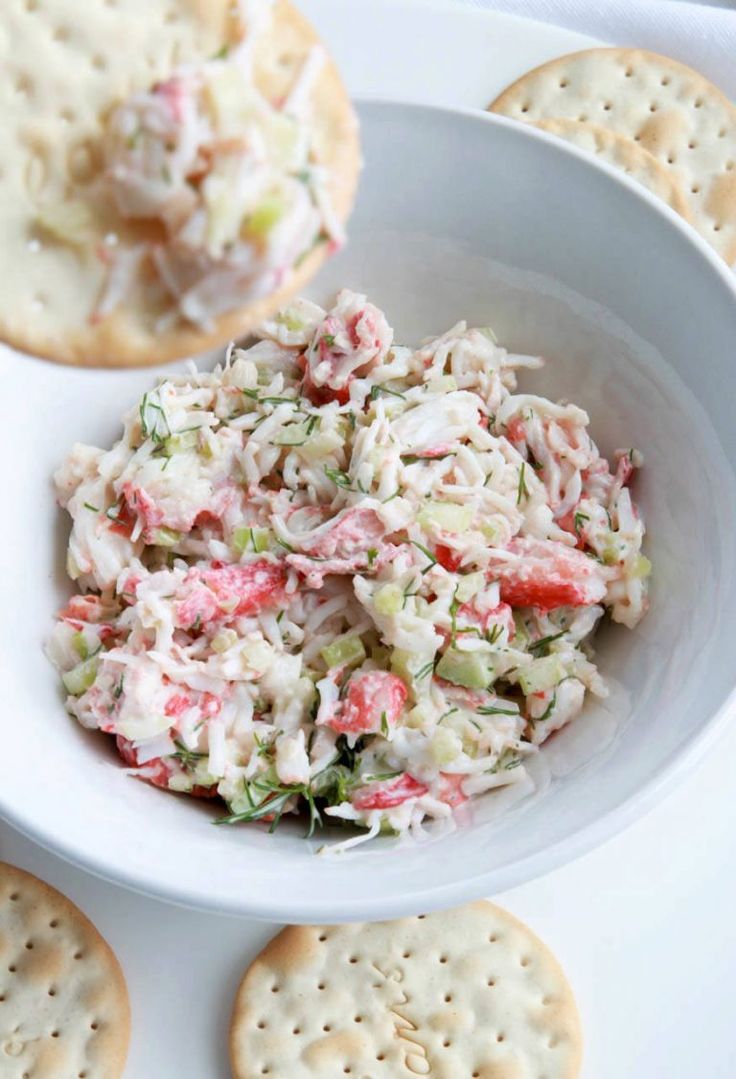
<point x="630" y="808"/>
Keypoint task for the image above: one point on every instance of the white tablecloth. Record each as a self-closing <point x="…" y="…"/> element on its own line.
<point x="701" y="35"/>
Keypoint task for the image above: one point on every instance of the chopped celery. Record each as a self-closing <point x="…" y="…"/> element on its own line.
<point x="72" y="569"/>
<point x="184" y="440"/>
<point x="225" y="639"/>
<point x="445" y="746"/>
<point x="492" y="531"/>
<point x="179" y="782"/>
<point x="290" y="321"/>
<point x="541" y="674"/>
<point x="293" y="435"/>
<point x="400" y="661"/>
<point x="340" y="652"/>
<point x="468" y="586"/>
<point x="319" y="446"/>
<point x="470" y="669"/>
<point x="79" y="643"/>
<point x="257" y="539"/>
<point x="448" y="516"/>
<point x="488" y="332"/>
<point x="264" y="217"/>
<point x="521" y="635"/>
<point x="442" y="384"/>
<point x="418" y="717"/>
<point x="388" y="599"/>
<point x="642" y="567"/>
<point x="166" y="537"/>
<point x="80" y="678"/>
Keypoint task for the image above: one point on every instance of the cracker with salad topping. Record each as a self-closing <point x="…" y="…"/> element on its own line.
<point x="465" y="993"/>
<point x="63" y="72"/>
<point x="64" y="1008"/>
<point x="668" y="109"/>
<point x="624" y="154"/>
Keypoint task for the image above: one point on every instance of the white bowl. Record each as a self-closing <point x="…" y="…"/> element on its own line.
<point x="460" y="215"/>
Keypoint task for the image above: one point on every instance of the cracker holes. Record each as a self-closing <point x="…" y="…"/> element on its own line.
<point x="420" y="917"/>
<point x="14" y="897"/>
<point x="261" y="1024"/>
<point x="321" y="986"/>
<point x="12" y="968"/>
<point x="670" y="159"/>
<point x="36" y="172"/>
<point x="265" y="1070"/>
<point x="607" y="106"/>
<point x="500" y="1038"/>
<point x="347" y="1069"/>
<point x="54" y="923"/>
<point x="296" y="1030"/>
<point x="275" y="988"/>
<point x="637" y="137"/>
<point x="94" y="1026"/>
<point x="717" y="226"/>
<point x="55" y="1033"/>
<point x="358" y="1019"/>
<point x="526" y="107"/>
<point x="695" y="189"/>
<point x="443" y="959"/>
<point x="698" y="103"/>
<point x="171" y="16"/>
<point x="546" y="1001"/>
<point x="729" y="166"/>
<point x="380" y="1056"/>
<point x="653" y="107"/>
<point x="99" y="62"/>
<point x="82" y="1075"/>
<point x="322" y="938"/>
<point x="61" y="34"/>
<point x="78" y="955"/>
<point x="406" y="955"/>
<point x="326" y="1027"/>
<point x="24" y="85"/>
<point x="691" y="145"/>
<point x="476" y="1075"/>
<point x="722" y="133"/>
<point x="2" y="998"/>
<point x="31" y="5"/>
<point x="564" y="83"/>
<point x="353" y="959"/>
<point x="582" y="118"/>
<point x="628" y="72"/>
<point x="525" y="961"/>
<point x="665" y="80"/>
<point x="553" y="1042"/>
<point x="29" y="945"/>
<point x="52" y="991"/>
<point x="448" y="998"/>
<point x="493" y="938"/>
<point x="446" y="1043"/>
<point x="491" y="982"/>
<point x="67" y="116"/>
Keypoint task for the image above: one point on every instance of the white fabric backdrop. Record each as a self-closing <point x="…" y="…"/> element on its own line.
<point x="701" y="35"/>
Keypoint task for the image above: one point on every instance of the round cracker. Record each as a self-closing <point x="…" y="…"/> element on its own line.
<point x="60" y="76"/>
<point x="624" y="154"/>
<point x="64" y="1007"/>
<point x="670" y="110"/>
<point x="470" y="992"/>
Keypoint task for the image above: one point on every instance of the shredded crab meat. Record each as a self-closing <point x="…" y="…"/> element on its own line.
<point x="344" y="576"/>
<point x="226" y="177"/>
